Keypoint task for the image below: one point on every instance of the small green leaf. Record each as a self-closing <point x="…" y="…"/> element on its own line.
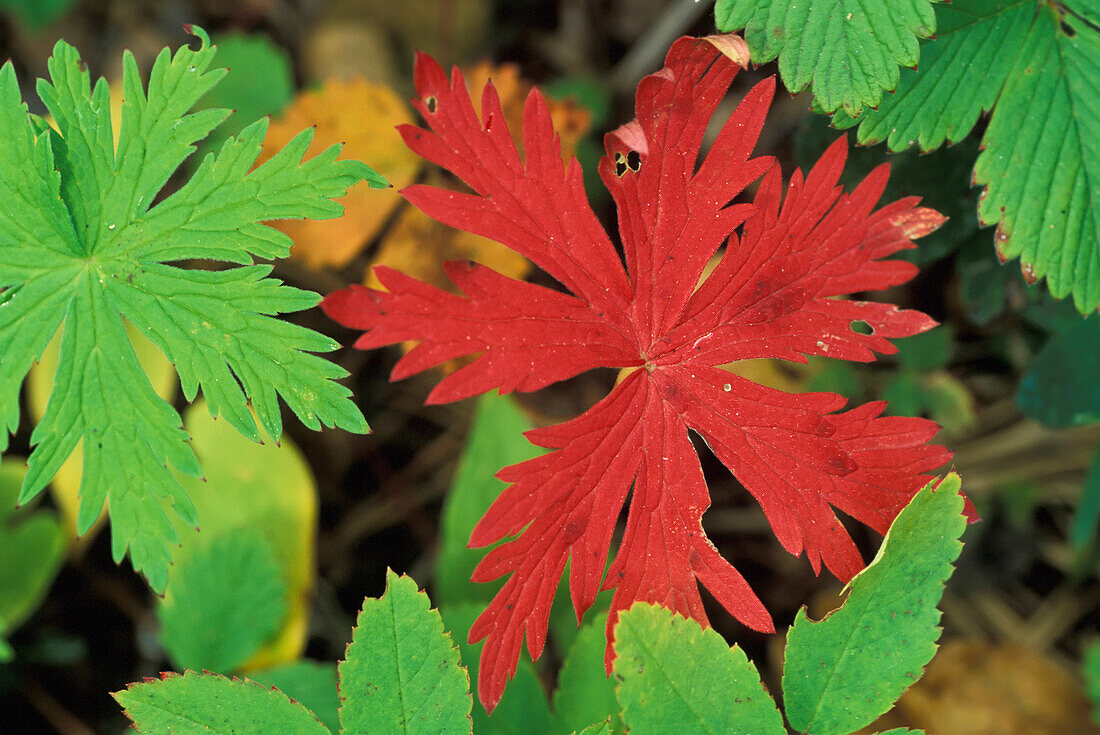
<point x="6" y="654"/>
<point x="523" y="708"/>
<point x="1062" y="386"/>
<point x="676" y="677"/>
<point x="903" y="395"/>
<point x="849" y="50"/>
<point x="902" y="731"/>
<point x="402" y="672"/>
<point x="927" y="351"/>
<point x="496" y="440"/>
<point x="224" y="599"/>
<point x="1086" y="519"/>
<point x="33" y="544"/>
<point x="200" y="704"/>
<point x="311" y="683"/>
<point x="585" y="693"/>
<point x="846" y="670"/>
<point x="267" y="489"/>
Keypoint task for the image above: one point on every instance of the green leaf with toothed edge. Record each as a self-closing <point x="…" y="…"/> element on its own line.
<point x="199" y="704"/>
<point x="83" y="245"/>
<point x="847" y="50"/>
<point x="1037" y="67"/>
<point x="402" y="672"/>
<point x="844" y="671"/>
<point x="675" y="677"/>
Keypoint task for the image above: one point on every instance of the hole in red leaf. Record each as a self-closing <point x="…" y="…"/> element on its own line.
<point x="620" y="163"/>
<point x="861" y="327"/>
<point x="430" y="103"/>
<point x="634" y="161"/>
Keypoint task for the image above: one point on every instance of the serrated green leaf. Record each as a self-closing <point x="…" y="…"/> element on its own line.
<point x="848" y="50"/>
<point x="402" y="671"/>
<point x="1062" y="386"/>
<point x="585" y="693"/>
<point x="961" y="75"/>
<point x="496" y="441"/>
<point x="846" y="670"/>
<point x="82" y="243"/>
<point x="225" y="598"/>
<point x="675" y="677"/>
<point x="200" y="704"/>
<point x="1043" y="175"/>
<point x="33" y="544"/>
<point x="311" y="683"/>
<point x="523" y="708"/>
<point x="1038" y="68"/>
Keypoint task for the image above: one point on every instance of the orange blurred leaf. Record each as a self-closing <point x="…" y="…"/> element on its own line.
<point x="362" y="115"/>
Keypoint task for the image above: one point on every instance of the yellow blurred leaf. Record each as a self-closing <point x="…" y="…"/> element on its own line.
<point x="362" y="115"/>
<point x="978" y="688"/>
<point x="266" y="489"/>
<point x="418" y="245"/>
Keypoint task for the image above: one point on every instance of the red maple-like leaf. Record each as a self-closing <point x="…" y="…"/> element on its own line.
<point x="772" y="295"/>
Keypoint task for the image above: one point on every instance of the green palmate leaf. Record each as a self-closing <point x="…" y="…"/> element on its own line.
<point x="846" y="670"/>
<point x="523" y="708"/>
<point x="585" y="693"/>
<point x="1062" y="386"/>
<point x="1037" y="66"/>
<point x="85" y="243"/>
<point x="33" y="546"/>
<point x="496" y="441"/>
<point x="225" y="599"/>
<point x="849" y="50"/>
<point x="402" y="672"/>
<point x="199" y="704"/>
<point x="311" y="683"/>
<point x="675" y="677"/>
